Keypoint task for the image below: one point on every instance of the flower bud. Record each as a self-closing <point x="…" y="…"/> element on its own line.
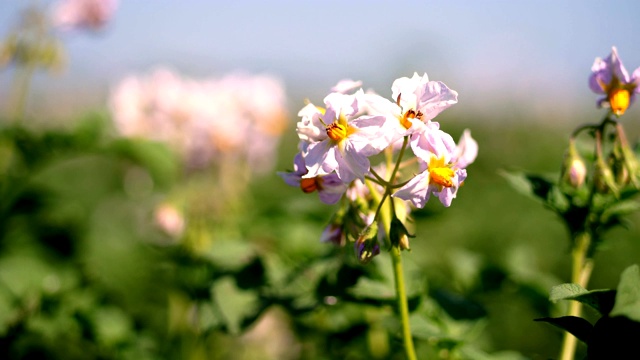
<point x="603" y="178"/>
<point x="399" y="235"/>
<point x="334" y="234"/>
<point x="619" y="171"/>
<point x="366" y="246"/>
<point x="574" y="170"/>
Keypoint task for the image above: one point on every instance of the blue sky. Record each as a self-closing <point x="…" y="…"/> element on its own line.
<point x="491" y="52"/>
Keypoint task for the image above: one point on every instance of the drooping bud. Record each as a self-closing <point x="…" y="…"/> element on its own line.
<point x="399" y="235"/>
<point x="366" y="246"/>
<point x="604" y="179"/>
<point x="334" y="234"/>
<point x="627" y="160"/>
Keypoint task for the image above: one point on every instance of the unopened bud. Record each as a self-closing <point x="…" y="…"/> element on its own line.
<point x="604" y="179"/>
<point x="334" y="234"/>
<point x="366" y="246"/>
<point x="619" y="171"/>
<point x="577" y="172"/>
<point x="399" y="235"/>
<point x="574" y="170"/>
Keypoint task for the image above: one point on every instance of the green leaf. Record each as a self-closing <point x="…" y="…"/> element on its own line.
<point x="628" y="298"/>
<point x="234" y="303"/>
<point x="538" y="188"/>
<point x="621" y="208"/>
<point x="600" y="300"/>
<point x="577" y="326"/>
<point x="566" y="292"/>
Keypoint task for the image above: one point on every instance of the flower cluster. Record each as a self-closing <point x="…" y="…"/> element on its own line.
<point x="239" y="116"/>
<point x="616" y="165"/>
<point x="338" y="140"/>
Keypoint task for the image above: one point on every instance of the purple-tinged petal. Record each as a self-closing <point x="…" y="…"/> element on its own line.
<point x="369" y="137"/>
<point x="351" y="164"/>
<point x="600" y="76"/>
<point x="341" y="104"/>
<point x="333" y="233"/>
<point x="310" y="128"/>
<point x="466" y="151"/>
<point x="616" y="66"/>
<point x="346" y="85"/>
<point x="432" y="142"/>
<point x="435" y="98"/>
<point x="409" y="90"/>
<point x="299" y="169"/>
<point x="291" y="179"/>
<point x="331" y="189"/>
<point x="446" y="196"/>
<point x="635" y="79"/>
<point x="417" y="190"/>
<point x="320" y="158"/>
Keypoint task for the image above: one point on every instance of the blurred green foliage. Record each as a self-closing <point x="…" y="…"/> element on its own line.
<point x="86" y="273"/>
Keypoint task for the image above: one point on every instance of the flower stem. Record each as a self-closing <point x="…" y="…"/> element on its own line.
<point x="403" y="306"/>
<point x="21" y="86"/>
<point x="580" y="274"/>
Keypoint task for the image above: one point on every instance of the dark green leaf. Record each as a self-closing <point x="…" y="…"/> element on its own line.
<point x="578" y="327"/>
<point x="600" y="300"/>
<point x="458" y="306"/>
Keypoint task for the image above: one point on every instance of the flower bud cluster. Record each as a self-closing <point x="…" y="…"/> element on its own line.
<point x="31" y="43"/>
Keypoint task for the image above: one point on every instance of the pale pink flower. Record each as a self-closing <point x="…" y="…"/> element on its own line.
<point x="444" y="174"/>
<point x="85" y="14"/>
<point x="341" y="143"/>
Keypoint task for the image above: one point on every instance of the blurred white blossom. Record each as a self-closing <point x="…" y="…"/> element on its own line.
<point x="84" y="14"/>
<point x="240" y="115"/>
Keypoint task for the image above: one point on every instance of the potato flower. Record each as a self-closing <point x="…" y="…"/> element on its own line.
<point x="445" y="171"/>
<point x="610" y="78"/>
<point x="334" y="139"/>
<point x="329" y="187"/>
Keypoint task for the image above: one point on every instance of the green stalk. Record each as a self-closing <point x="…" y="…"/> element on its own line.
<point x="398" y="272"/>
<point x="580" y="274"/>
<point x="21" y="86"/>
<point x="403" y="306"/>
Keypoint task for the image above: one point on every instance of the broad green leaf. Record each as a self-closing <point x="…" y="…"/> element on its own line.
<point x="368" y="288"/>
<point x="520" y="182"/>
<point x="234" y="303"/>
<point x="600" y="300"/>
<point x="537" y="187"/>
<point x="577" y="326"/>
<point x="566" y="292"/>
<point x="628" y="298"/>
